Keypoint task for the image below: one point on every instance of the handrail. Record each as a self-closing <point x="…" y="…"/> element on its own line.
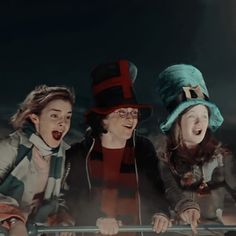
<point x="3" y="231"/>
<point x="34" y="230"/>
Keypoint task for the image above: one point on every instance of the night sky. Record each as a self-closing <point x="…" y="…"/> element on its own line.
<point x="59" y="43"/>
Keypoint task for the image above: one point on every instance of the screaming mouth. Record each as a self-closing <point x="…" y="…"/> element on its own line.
<point x="56" y="135"/>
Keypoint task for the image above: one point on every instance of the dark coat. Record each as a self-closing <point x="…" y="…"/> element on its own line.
<point x="82" y="199"/>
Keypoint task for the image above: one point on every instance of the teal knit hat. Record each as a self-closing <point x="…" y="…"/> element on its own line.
<point x="181" y="86"/>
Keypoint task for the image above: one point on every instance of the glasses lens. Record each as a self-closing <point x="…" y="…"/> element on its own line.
<point x="134" y="114"/>
<point x="124" y="114"/>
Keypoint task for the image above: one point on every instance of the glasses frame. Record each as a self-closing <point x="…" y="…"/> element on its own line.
<point x="124" y="114"/>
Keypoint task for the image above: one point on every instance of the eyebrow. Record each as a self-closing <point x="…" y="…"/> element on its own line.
<point x="204" y="112"/>
<point x="57" y="110"/>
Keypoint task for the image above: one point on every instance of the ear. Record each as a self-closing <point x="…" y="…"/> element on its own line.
<point x="104" y="123"/>
<point x="34" y="118"/>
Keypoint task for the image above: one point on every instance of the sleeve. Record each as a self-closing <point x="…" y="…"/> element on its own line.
<point x="151" y="187"/>
<point x="81" y="202"/>
<point x="8" y="205"/>
<point x="230" y="174"/>
<point x="62" y="216"/>
<point x="173" y="192"/>
<point x="8" y="153"/>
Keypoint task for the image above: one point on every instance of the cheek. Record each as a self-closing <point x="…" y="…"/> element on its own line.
<point x="206" y="126"/>
<point x="186" y="130"/>
<point x="44" y="128"/>
<point x="44" y="131"/>
<point x="67" y="126"/>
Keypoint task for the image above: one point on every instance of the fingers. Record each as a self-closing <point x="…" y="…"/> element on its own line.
<point x="108" y="226"/>
<point x="194" y="220"/>
<point x="67" y="234"/>
<point x="160" y="223"/>
<point x="191" y="216"/>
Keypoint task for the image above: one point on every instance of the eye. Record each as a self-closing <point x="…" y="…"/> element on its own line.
<point x="135" y="113"/>
<point x="122" y="113"/>
<point x="68" y="117"/>
<point x="54" y="116"/>
<point x="191" y="116"/>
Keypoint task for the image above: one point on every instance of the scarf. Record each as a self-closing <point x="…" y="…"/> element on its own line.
<point x="122" y="191"/>
<point x="13" y="184"/>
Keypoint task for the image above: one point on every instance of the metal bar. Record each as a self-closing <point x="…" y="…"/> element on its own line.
<point x="33" y="230"/>
<point x="3" y="231"/>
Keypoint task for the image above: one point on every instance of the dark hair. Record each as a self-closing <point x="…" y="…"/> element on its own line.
<point x="95" y="121"/>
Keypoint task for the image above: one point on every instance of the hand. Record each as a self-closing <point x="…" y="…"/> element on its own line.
<point x="65" y="233"/>
<point x="61" y="219"/>
<point x="191" y="216"/>
<point x="18" y="228"/>
<point x="160" y="223"/>
<point x="108" y="226"/>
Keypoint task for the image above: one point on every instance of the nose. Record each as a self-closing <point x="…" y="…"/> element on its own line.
<point x="129" y="116"/>
<point x="197" y="121"/>
<point x="62" y="121"/>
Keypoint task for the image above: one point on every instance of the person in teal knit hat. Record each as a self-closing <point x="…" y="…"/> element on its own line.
<point x="196" y="168"/>
<point x="32" y="161"/>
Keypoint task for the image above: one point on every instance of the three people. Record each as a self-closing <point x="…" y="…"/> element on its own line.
<point x="113" y="174"/>
<point x="196" y="168"/>
<point x="113" y="177"/>
<point x="32" y="161"/>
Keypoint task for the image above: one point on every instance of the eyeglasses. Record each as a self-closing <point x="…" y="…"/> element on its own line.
<point x="125" y="114"/>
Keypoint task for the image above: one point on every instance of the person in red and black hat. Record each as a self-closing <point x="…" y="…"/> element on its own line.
<point x="113" y="178"/>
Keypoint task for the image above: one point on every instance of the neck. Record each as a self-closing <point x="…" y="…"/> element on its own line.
<point x="109" y="141"/>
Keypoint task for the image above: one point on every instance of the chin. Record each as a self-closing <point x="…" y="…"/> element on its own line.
<point x="54" y="144"/>
<point x="126" y="137"/>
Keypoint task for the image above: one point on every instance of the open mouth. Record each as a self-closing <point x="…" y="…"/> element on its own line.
<point x="128" y="126"/>
<point x="197" y="131"/>
<point x="56" y="135"/>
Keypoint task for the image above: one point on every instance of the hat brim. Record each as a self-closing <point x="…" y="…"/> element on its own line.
<point x="215" y="118"/>
<point x="145" y="110"/>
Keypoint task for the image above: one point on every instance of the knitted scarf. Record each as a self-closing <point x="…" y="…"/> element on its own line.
<point x="13" y="184"/>
<point x="126" y="184"/>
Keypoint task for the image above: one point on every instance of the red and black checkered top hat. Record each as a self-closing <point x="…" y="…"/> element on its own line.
<point x="112" y="87"/>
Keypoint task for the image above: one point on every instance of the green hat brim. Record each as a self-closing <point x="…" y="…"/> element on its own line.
<point x="215" y="119"/>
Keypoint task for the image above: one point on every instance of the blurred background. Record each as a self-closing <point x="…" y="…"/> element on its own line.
<point x="43" y="42"/>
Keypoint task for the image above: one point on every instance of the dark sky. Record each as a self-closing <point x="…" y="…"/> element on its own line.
<point x="56" y="42"/>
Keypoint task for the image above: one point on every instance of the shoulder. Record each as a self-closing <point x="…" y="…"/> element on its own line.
<point x="79" y="148"/>
<point x="11" y="141"/>
<point x="222" y="154"/>
<point x="143" y="143"/>
<point x="9" y="149"/>
<point x="161" y="146"/>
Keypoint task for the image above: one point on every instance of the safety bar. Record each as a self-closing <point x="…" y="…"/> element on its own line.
<point x="33" y="230"/>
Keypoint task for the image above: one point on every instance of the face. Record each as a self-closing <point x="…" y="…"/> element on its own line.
<point x="121" y="123"/>
<point x="54" y="121"/>
<point x="193" y="125"/>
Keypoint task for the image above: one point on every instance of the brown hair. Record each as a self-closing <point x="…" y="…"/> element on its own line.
<point x="37" y="100"/>
<point x="202" y="153"/>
